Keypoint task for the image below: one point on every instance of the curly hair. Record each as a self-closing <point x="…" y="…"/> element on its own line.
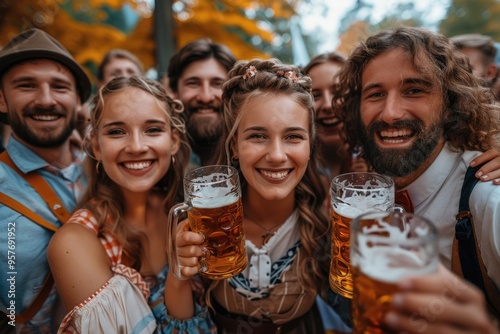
<point x="103" y="197"/>
<point x="471" y="118"/>
<point x="257" y="78"/>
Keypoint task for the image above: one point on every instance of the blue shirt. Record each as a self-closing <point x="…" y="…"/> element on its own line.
<point x="26" y="244"/>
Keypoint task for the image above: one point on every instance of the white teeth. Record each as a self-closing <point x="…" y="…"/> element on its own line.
<point x="330" y="120"/>
<point x="395" y="133"/>
<point x="44" y="117"/>
<point x="393" y="141"/>
<point x="137" y="165"/>
<point x="275" y="175"/>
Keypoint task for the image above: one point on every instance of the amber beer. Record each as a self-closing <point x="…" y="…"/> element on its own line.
<point x="212" y="201"/>
<point x="224" y="242"/>
<point x="351" y="195"/>
<point x="383" y="251"/>
<point x="340" y="272"/>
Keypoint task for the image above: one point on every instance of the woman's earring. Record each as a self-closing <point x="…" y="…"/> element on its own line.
<point x="234" y="160"/>
<point x="97" y="167"/>
<point x="173" y="159"/>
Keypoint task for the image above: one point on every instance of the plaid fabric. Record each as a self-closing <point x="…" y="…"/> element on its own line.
<point x="72" y="175"/>
<point x="153" y="293"/>
<point x="113" y="249"/>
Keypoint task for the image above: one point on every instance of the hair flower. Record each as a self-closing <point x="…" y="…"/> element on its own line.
<point x="250" y="72"/>
<point x="292" y="76"/>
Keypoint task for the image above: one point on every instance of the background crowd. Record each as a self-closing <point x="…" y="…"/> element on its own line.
<point x="87" y="182"/>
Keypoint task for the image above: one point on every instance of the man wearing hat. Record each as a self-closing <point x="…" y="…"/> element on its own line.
<point x="41" y="89"/>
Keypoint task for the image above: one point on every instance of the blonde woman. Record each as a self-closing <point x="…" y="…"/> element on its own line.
<point x="109" y="260"/>
<point x="269" y="137"/>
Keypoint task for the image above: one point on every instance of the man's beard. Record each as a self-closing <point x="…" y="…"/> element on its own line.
<point x="401" y="162"/>
<point x="203" y="131"/>
<point x="47" y="138"/>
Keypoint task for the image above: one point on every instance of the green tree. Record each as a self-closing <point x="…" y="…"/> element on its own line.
<point x="360" y="22"/>
<point x="472" y="16"/>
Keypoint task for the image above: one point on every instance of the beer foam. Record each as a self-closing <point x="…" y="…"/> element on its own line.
<point x="206" y="198"/>
<point x="387" y="253"/>
<point x="347" y="211"/>
<point x="363" y="203"/>
<point x="390" y="264"/>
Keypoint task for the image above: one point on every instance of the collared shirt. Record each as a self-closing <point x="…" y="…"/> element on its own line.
<point x="28" y="241"/>
<point x="267" y="263"/>
<point x="435" y="195"/>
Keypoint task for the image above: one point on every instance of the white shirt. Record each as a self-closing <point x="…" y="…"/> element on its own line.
<point x="261" y="259"/>
<point x="435" y="195"/>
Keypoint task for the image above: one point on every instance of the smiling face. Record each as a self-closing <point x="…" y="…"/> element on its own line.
<point x="273" y="145"/>
<point x="134" y="140"/>
<point x="199" y="89"/>
<point x="402" y="114"/>
<point x="328" y="126"/>
<point x="41" y="100"/>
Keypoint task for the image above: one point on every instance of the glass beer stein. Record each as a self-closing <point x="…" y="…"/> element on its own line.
<point x="351" y="195"/>
<point x="386" y="247"/>
<point x="212" y="200"/>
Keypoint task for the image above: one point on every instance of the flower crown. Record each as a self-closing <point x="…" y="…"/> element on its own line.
<point x="292" y="75"/>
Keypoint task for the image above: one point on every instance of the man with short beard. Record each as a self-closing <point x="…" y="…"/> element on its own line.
<point x="41" y="89"/>
<point x="196" y="74"/>
<point x="408" y="98"/>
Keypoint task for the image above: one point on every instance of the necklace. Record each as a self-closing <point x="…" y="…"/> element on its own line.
<point x="268" y="234"/>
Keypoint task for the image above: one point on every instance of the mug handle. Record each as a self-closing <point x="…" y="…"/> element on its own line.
<point x="173" y="220"/>
<point x="398" y="208"/>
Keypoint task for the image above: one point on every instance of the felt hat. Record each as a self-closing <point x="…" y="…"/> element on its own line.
<point x="37" y="44"/>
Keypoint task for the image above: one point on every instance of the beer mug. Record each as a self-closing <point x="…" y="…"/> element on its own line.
<point x="386" y="247"/>
<point x="212" y="200"/>
<point x="351" y="195"/>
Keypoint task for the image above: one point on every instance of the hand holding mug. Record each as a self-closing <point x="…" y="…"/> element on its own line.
<point x="189" y="249"/>
<point x="439" y="303"/>
<point x="212" y="201"/>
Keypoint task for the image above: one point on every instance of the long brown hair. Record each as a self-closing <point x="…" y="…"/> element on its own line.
<point x="471" y="118"/>
<point x="103" y="197"/>
<point x="270" y="77"/>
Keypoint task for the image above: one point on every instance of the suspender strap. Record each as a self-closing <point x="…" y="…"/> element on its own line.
<point x="56" y="206"/>
<point x="466" y="256"/>
<point x="42" y="295"/>
<point x="42" y="187"/>
<point x="464" y="233"/>
<point x="15" y="205"/>
<point x="37" y="303"/>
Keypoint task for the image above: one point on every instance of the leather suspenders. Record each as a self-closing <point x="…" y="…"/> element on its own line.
<point x="56" y="206"/>
<point x="466" y="258"/>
